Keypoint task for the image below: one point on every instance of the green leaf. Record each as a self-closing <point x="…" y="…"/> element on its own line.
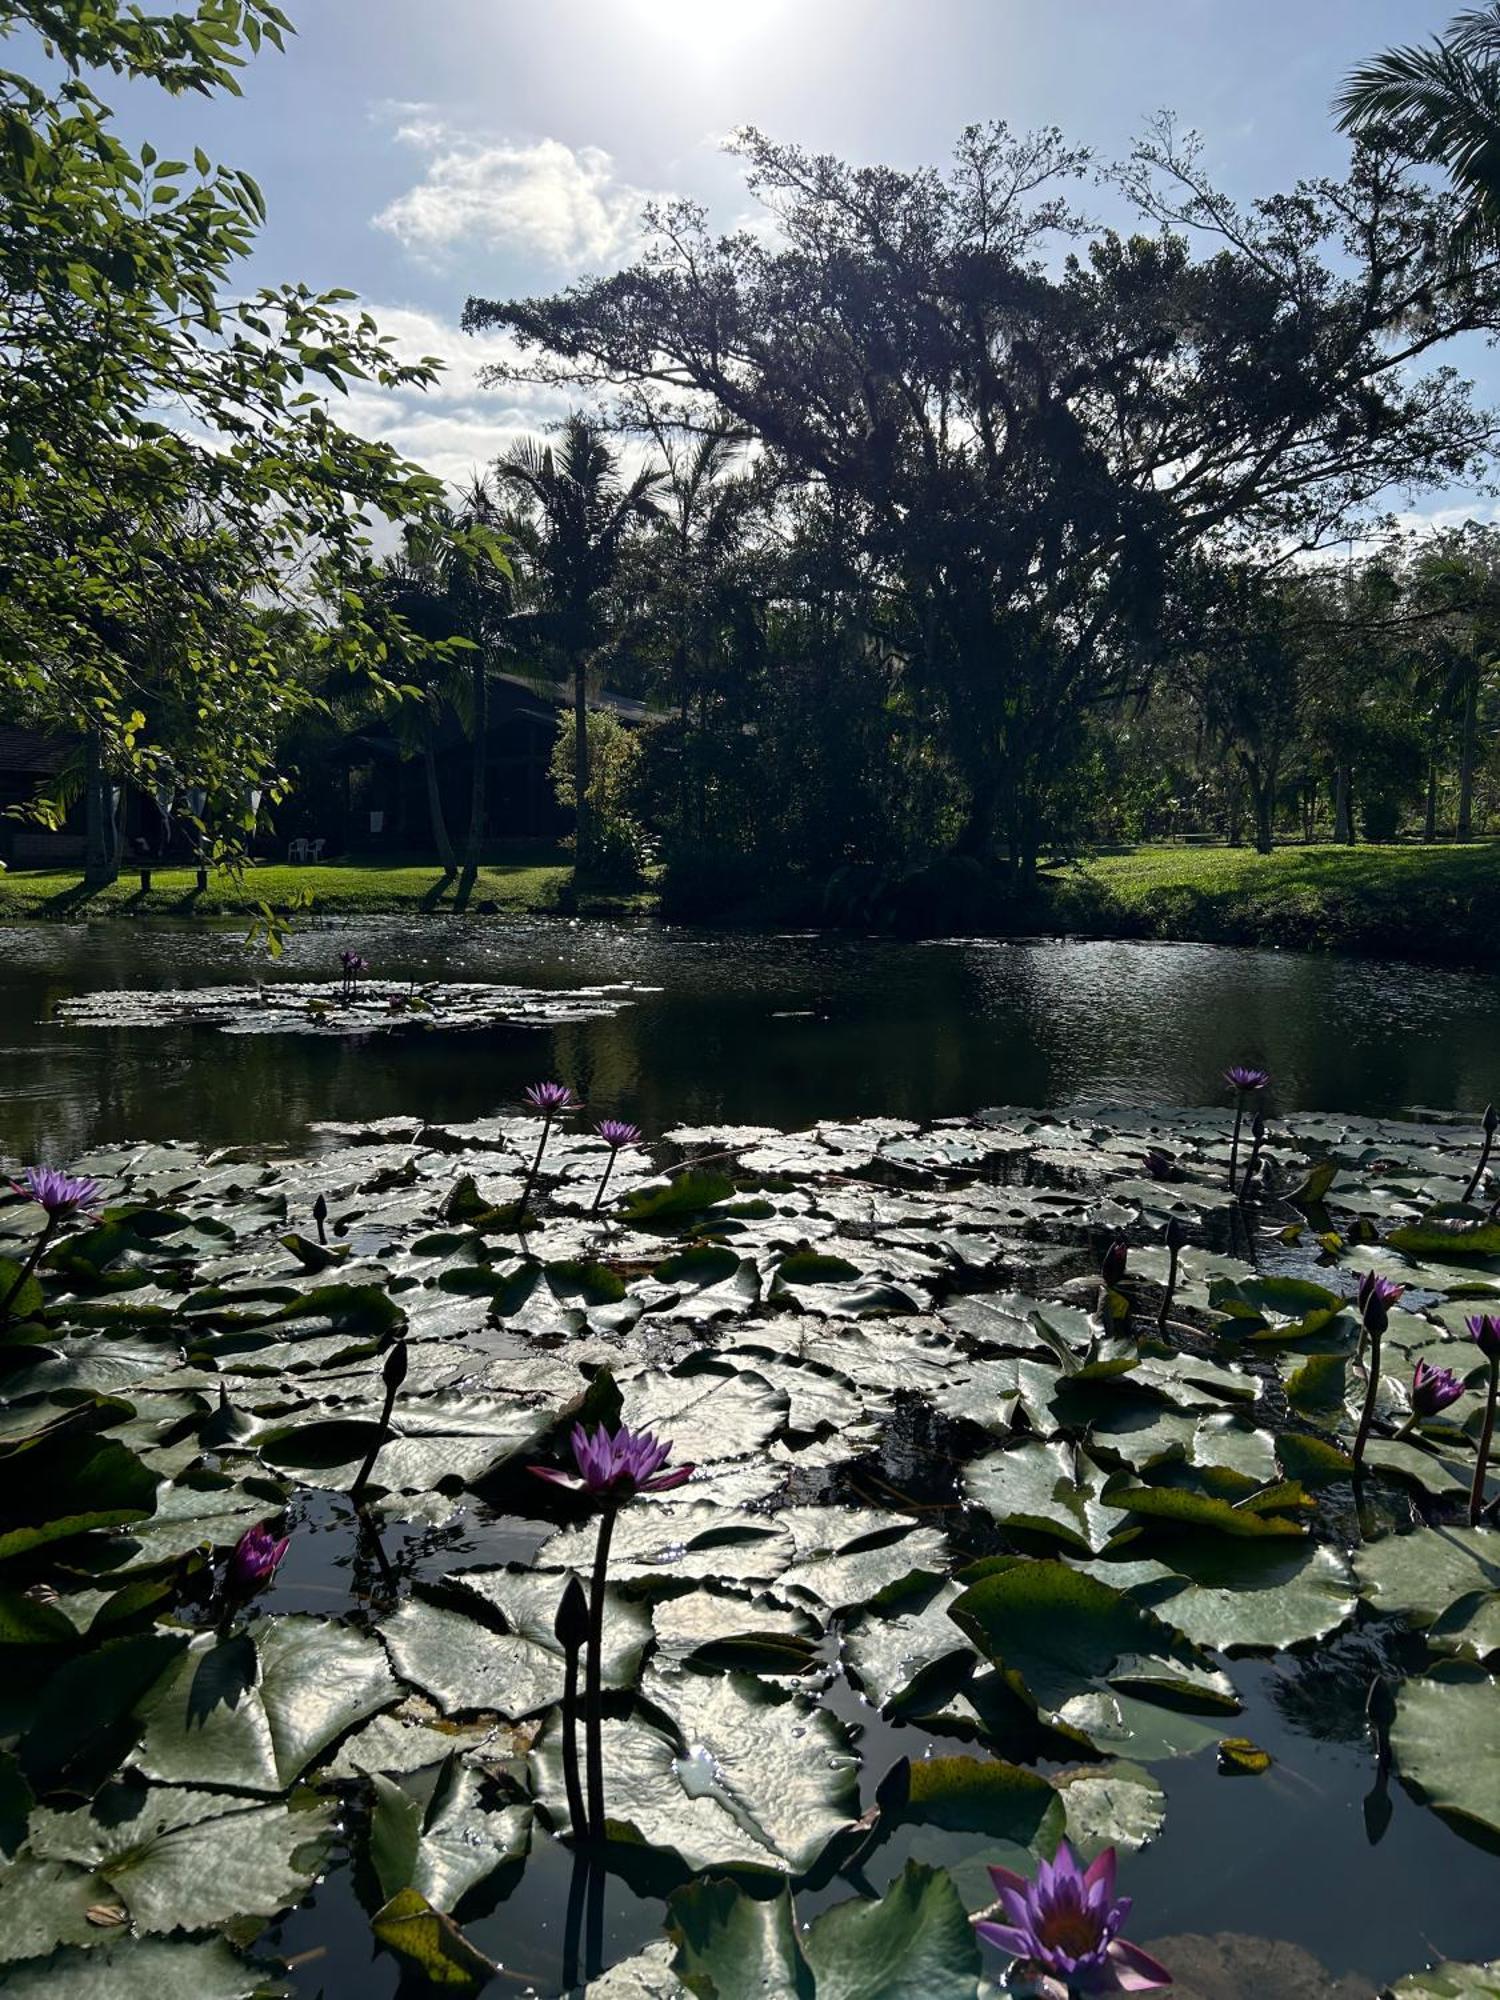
<point x="127" y="1968"/>
<point x="186" y="1860"/>
<point x="62" y="1487"/>
<point x="1449" y="1981"/>
<point x="1442" y="1739"/>
<point x="255" y="1713"/>
<point x="915" y="1943"/>
<point x="973" y="1795"/>
<point x="458" y="1843"/>
<point x="688" y="1194"/>
<point x="730" y="1946"/>
<point x="431" y="1944"/>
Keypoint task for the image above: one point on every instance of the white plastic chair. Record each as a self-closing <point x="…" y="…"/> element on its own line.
<point x="297" y="849"/>
<point x="314" y="849"/>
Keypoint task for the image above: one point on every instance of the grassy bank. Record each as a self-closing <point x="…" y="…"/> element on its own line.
<point x="1440" y="902"/>
<point x="349" y="889"/>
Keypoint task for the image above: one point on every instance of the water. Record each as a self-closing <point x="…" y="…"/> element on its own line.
<point x="784" y="1030"/>
<point x="769" y="1030"/>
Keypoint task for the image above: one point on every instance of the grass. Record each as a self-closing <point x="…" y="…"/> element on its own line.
<point x="540" y="885"/>
<point x="1439" y="902"/>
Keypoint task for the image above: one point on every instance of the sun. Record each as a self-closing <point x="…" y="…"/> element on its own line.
<point x="702" y="27"/>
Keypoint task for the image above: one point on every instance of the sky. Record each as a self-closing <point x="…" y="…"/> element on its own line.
<point x="418" y="151"/>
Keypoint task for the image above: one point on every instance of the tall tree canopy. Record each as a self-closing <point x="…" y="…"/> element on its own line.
<point x="1030" y="440"/>
<point x="149" y="420"/>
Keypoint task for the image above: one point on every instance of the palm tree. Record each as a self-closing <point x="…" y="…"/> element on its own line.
<point x="453" y="582"/>
<point x="578" y="509"/>
<point x="702" y="530"/>
<point x="1440" y="103"/>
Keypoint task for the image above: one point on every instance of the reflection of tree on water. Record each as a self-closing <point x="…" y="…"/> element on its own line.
<point x="1326" y="1694"/>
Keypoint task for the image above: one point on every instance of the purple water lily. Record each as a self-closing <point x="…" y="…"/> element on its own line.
<point x="1484" y="1331"/>
<point x="1242" y="1077"/>
<point x="1375" y="1296"/>
<point x="62" y="1198"/>
<point x="1245" y="1081"/>
<point x="1433" y="1389"/>
<point x="616" y="1466"/>
<point x="611" y="1467"/>
<point x="552" y="1100"/>
<point x="617" y="1135"/>
<point x="1112" y="1270"/>
<point x="1063" y="1928"/>
<point x="62" y="1195"/>
<point x="353" y="965"/>
<point x="255" y="1560"/>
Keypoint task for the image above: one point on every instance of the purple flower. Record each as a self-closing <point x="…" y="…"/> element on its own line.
<point x="61" y="1195"/>
<point x="351" y="961"/>
<point x="1433" y="1389"/>
<point x="255" y="1560"/>
<point x="1375" y="1296"/>
<point x="1242" y="1077"/>
<point x="1484" y="1330"/>
<point x="1112" y="1270"/>
<point x="1064" y="1927"/>
<point x="1160" y="1166"/>
<point x="616" y="1466"/>
<point x="551" y="1098"/>
<point x="616" y="1133"/>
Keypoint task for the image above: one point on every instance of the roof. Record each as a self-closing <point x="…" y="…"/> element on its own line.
<point x="28" y="753"/>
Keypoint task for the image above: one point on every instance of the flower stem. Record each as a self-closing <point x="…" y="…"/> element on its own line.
<point x="594" y="1687"/>
<point x="571" y="1779"/>
<point x="362" y="1477"/>
<point x="536" y="1165"/>
<point x="1234" y="1144"/>
<point x="1166" y="1298"/>
<point x="609" y="1167"/>
<point x="1372" y="1390"/>
<point x="48" y="1229"/>
<point x="1476" y="1494"/>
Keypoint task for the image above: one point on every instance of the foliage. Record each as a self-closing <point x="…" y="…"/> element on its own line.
<point x="620" y="849"/>
<point x="177" y="500"/>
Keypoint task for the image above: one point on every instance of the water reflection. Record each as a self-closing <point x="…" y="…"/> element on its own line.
<point x="751" y="1029"/>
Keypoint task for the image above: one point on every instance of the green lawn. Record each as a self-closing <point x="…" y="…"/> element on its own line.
<point x="1426" y="902"/>
<point x="1411" y="902"/>
<point x="330" y="889"/>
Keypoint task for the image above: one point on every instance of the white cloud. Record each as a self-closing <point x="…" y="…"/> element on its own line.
<point x="457" y="427"/>
<point x="551" y="200"/>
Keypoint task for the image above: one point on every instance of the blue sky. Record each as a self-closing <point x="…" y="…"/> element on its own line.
<point x="420" y="150"/>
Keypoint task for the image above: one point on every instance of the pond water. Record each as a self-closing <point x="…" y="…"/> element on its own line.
<point x="783" y="1031"/>
<point x="767" y="1030"/>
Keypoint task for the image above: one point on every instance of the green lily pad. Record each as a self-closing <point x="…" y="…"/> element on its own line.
<point x="1443" y="1739"/>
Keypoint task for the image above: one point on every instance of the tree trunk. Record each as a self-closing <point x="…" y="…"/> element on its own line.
<point x="441" y="838"/>
<point x="1263" y="793"/>
<point x="478" y="786"/>
<point x="1467" y="741"/>
<point x="1429" y="823"/>
<point x="1343" y="805"/>
<point x="100" y="865"/>
<point x="583" y="836"/>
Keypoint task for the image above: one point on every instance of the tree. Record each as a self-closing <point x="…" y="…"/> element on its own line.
<point x="1455" y="584"/>
<point x="1441" y="105"/>
<point x="168" y="464"/>
<point x="451" y="589"/>
<point x="1029" y="451"/>
<point x="577" y="511"/>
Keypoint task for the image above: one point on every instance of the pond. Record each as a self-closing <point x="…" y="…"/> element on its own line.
<point x="745" y="1029"/>
<point x="864" y="1341"/>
